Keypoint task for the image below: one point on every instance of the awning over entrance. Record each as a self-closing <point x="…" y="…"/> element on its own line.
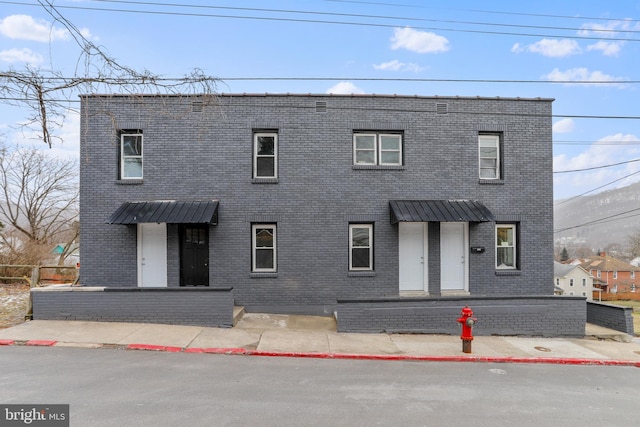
<point x="438" y="211"/>
<point x="169" y="211"/>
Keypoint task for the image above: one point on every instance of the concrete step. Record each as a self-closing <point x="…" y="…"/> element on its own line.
<point x="238" y="312"/>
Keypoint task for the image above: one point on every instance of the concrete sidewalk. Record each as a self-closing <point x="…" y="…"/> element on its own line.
<point x="310" y="336"/>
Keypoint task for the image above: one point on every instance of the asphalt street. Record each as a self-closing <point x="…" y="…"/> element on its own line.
<point x="108" y="387"/>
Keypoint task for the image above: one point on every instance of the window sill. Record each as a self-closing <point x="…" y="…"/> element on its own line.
<point x="361" y="274"/>
<point x="379" y="167"/>
<point x="508" y="272"/>
<point x="264" y="181"/>
<point x="491" y="181"/>
<point x="129" y="181"/>
<point x="263" y="275"/>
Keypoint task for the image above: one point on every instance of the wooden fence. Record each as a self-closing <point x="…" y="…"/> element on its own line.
<point x="38" y="275"/>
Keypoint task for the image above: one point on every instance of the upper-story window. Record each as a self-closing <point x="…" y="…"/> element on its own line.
<point x="489" y="156"/>
<point x="377" y="148"/>
<point x="633" y="274"/>
<point x="615" y="274"/>
<point x="131" y="154"/>
<point x="570" y="282"/>
<point x="265" y="155"/>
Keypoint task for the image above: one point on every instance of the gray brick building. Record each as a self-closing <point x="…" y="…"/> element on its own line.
<point x="298" y="202"/>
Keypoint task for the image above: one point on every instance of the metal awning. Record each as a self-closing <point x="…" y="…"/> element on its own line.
<point x="438" y="211"/>
<point x="168" y="211"/>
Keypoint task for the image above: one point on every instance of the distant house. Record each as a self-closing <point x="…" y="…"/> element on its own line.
<point x="613" y="274"/>
<point x="573" y="280"/>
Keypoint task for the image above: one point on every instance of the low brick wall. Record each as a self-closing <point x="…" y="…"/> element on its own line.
<point x="611" y="316"/>
<point x="551" y="316"/>
<point x="175" y="306"/>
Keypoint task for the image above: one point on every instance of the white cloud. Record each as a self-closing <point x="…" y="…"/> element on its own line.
<point x="550" y="47"/>
<point x="607" y="48"/>
<point x="418" y="41"/>
<point x="583" y="74"/>
<point x="25" y="27"/>
<point x="564" y="126"/>
<point x="20" y="55"/>
<point x="606" y="151"/>
<point x="345" y="88"/>
<point x="396" y="65"/>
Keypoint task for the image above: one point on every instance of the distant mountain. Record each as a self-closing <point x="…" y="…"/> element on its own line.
<point x="611" y="217"/>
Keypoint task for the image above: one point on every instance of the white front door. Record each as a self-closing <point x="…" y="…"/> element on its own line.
<point x="453" y="256"/>
<point x="152" y="255"/>
<point x="412" y="249"/>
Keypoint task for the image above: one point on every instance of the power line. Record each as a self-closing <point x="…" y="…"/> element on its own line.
<point x="318" y="21"/>
<point x="496" y="12"/>
<point x="599" y="220"/>
<point x="599" y="167"/>
<point x="595" y="189"/>
<point x="357" y="15"/>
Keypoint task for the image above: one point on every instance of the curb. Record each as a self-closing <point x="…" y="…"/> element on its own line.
<point x="345" y="356"/>
<point x="393" y="357"/>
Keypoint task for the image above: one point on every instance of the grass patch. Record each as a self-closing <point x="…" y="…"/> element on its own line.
<point x="14" y="303"/>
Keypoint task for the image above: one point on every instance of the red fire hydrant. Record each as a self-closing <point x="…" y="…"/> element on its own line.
<point x="467" y="321"/>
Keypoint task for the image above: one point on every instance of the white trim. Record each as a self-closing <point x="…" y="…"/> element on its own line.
<point x="514" y="231"/>
<point x="254" y="248"/>
<point x="257" y="135"/>
<point x="490" y="140"/>
<point x="123" y="157"/>
<point x="377" y="148"/>
<point x="369" y="227"/>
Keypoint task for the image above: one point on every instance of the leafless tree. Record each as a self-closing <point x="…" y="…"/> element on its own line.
<point x="38" y="204"/>
<point x="48" y="95"/>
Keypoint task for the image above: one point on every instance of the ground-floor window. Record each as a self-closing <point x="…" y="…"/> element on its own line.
<point x="506" y="246"/>
<point x="263" y="237"/>
<point x="360" y="246"/>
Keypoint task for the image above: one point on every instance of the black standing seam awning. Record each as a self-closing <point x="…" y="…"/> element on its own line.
<point x="438" y="211"/>
<point x="167" y="211"/>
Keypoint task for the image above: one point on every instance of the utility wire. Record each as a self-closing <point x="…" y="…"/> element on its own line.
<point x="599" y="167"/>
<point x="358" y="15"/>
<point x="598" y="220"/>
<point x="595" y="189"/>
<point x="318" y="21"/>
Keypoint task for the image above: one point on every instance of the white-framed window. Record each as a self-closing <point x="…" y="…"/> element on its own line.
<point x="489" y="156"/>
<point x="570" y="282"/>
<point x="265" y="155"/>
<point x="263" y="242"/>
<point x="131" y="155"/>
<point x="615" y="274"/>
<point x="375" y="148"/>
<point x="584" y="283"/>
<point x="633" y="274"/>
<point x="360" y="247"/>
<point x="506" y="245"/>
<point x="598" y="274"/>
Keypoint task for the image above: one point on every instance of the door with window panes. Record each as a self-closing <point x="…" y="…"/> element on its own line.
<point x="194" y="255"/>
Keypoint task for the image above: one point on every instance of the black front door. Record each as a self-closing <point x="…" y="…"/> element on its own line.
<point x="194" y="255"/>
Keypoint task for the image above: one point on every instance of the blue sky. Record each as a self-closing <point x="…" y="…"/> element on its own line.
<point x="492" y="48"/>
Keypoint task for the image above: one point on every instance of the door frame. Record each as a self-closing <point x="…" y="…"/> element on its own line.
<point x="160" y="262"/>
<point x="465" y="255"/>
<point x="425" y="257"/>
<point x="181" y="242"/>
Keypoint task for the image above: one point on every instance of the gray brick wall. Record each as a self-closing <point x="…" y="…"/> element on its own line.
<point x="533" y="316"/>
<point x="183" y="306"/>
<point x="208" y="155"/>
<point x="611" y="316"/>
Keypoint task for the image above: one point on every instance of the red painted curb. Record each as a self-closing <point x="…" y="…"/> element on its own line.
<point x="150" y="347"/>
<point x="7" y="342"/>
<point x="44" y="343"/>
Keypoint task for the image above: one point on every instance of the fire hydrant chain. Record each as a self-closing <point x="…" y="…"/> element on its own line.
<point x="467" y="321"/>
